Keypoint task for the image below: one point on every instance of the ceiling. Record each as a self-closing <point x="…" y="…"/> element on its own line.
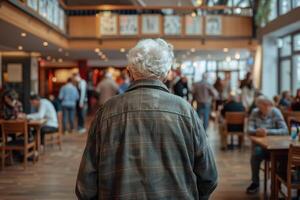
<point x="130" y="2"/>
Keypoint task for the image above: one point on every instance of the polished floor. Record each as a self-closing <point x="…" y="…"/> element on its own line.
<point x="53" y="177"/>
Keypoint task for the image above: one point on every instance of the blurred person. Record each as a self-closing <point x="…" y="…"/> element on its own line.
<point x="147" y="143"/>
<point x="296" y="102"/>
<point x="45" y="110"/>
<point x="68" y="96"/>
<point x="203" y="94"/>
<point x="285" y="100"/>
<point x="107" y="88"/>
<point x="264" y="120"/>
<point x="276" y="100"/>
<point x="181" y="88"/>
<point x="233" y="104"/>
<point x="82" y="105"/>
<point x="226" y="86"/>
<point x="125" y="84"/>
<point x="56" y="102"/>
<point x="11" y="106"/>
<point x="247" y="91"/>
<point x="253" y="105"/>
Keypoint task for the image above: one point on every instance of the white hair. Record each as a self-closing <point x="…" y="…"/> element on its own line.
<point x="151" y="58"/>
<point x="263" y="100"/>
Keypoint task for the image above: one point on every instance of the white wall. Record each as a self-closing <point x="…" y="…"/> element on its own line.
<point x="269" y="67"/>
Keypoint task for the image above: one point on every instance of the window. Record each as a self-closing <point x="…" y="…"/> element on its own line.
<point x="273" y="10"/>
<point x="297" y="42"/>
<point x="211" y="66"/>
<point x="286" y="49"/>
<point x="296" y="73"/>
<point x="296" y="3"/>
<point x="284" y="6"/>
<point x="285" y="72"/>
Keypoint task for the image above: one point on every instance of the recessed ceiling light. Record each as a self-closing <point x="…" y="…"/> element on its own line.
<point x="60" y="60"/>
<point x="193" y="14"/>
<point x="193" y="50"/>
<point x="54" y="79"/>
<point x="97" y="50"/>
<point x="103" y="57"/>
<point x="60" y="49"/>
<point x="225" y="49"/>
<point x="100" y="53"/>
<point x="48" y="58"/>
<point x="23" y="34"/>
<point x="228" y="58"/>
<point x="20" y="48"/>
<point x="45" y="44"/>
<point x="122" y="50"/>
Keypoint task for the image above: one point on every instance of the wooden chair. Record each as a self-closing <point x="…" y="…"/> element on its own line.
<point x="292" y="116"/>
<point x="6" y="154"/>
<point x="20" y="129"/>
<point x="286" y="179"/>
<point x="235" y="118"/>
<point x="55" y="138"/>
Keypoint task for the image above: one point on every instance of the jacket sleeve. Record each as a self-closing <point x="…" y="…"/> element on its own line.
<point x="204" y="162"/>
<point x="87" y="178"/>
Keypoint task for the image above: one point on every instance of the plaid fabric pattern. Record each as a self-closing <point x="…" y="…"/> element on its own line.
<point x="146" y="144"/>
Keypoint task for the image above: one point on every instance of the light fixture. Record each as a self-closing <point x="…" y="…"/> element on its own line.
<point x="48" y="58"/>
<point x="54" y="79"/>
<point x="45" y="44"/>
<point x="122" y="50"/>
<point x="198" y="2"/>
<point x="193" y="50"/>
<point x="237" y="56"/>
<point x="103" y="56"/>
<point x="225" y="49"/>
<point x="100" y="53"/>
<point x="60" y="60"/>
<point x="97" y="50"/>
<point x="20" y="48"/>
<point x="23" y="34"/>
<point x="193" y="14"/>
<point x="60" y="49"/>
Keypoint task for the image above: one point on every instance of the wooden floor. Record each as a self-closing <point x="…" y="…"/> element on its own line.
<point x="53" y="177"/>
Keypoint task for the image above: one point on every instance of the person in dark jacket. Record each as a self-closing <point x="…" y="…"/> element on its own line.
<point x="232" y="105"/>
<point x="147" y="143"/>
<point x="296" y="102"/>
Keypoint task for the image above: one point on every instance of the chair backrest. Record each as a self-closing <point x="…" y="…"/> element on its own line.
<point x="235" y="118"/>
<point x="293" y="160"/>
<point x="291" y="115"/>
<point x="13" y="127"/>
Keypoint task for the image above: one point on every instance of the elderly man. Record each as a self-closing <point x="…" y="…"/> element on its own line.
<point x="147" y="143"/>
<point x="264" y="120"/>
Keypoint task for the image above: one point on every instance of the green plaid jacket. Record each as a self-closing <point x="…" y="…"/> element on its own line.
<point x="146" y="144"/>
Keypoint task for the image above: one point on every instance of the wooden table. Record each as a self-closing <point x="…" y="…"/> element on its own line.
<point x="277" y="146"/>
<point x="37" y="125"/>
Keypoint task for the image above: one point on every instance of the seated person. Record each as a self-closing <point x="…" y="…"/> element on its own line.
<point x="45" y="110"/>
<point x="296" y="102"/>
<point x="232" y="105"/>
<point x="11" y="106"/>
<point x="285" y="101"/>
<point x="264" y="120"/>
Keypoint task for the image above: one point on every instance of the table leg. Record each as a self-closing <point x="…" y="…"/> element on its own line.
<point x="273" y="174"/>
<point x="38" y="139"/>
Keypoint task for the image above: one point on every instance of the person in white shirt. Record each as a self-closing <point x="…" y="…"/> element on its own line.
<point x="82" y="102"/>
<point x="45" y="110"/>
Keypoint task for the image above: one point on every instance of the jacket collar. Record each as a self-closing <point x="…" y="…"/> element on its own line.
<point x="148" y="83"/>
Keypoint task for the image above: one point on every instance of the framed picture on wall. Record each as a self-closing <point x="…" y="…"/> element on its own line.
<point x="33" y="4"/>
<point x="193" y="25"/>
<point x="213" y="25"/>
<point x="128" y="24"/>
<point x="151" y="24"/>
<point x="172" y="25"/>
<point x="108" y="24"/>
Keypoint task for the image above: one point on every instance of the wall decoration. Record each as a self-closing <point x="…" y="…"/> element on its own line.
<point x="14" y="72"/>
<point x="108" y="24"/>
<point x="33" y="4"/>
<point x="128" y="24"/>
<point x="213" y="25"/>
<point x="172" y="25"/>
<point x="193" y="25"/>
<point x="150" y="24"/>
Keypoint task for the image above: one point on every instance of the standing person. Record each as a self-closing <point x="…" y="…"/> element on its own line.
<point x="45" y="110"/>
<point x="125" y="84"/>
<point x="204" y="93"/>
<point x="296" y="102"/>
<point x="181" y="88"/>
<point x="107" y="88"/>
<point x="218" y="85"/>
<point x="81" y="106"/>
<point x="247" y="91"/>
<point x="147" y="143"/>
<point x="264" y="120"/>
<point x="68" y="96"/>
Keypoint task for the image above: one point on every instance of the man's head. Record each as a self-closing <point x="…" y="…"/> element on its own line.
<point x="264" y="104"/>
<point x="76" y="77"/>
<point x="150" y="59"/>
<point x="35" y="100"/>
